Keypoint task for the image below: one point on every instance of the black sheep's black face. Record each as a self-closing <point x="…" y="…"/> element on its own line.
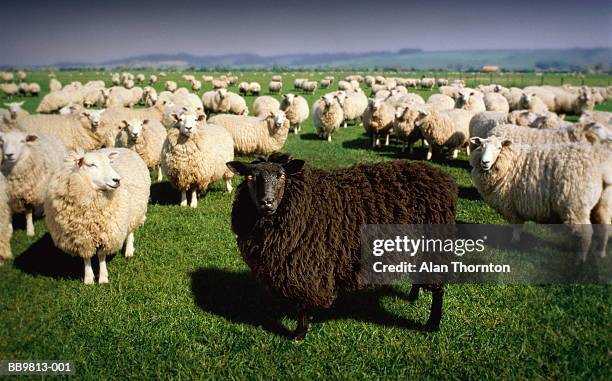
<point x="266" y="182"/>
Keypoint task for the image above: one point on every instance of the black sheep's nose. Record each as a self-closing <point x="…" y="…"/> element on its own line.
<point x="267" y="201"/>
<point x="8" y="155"/>
<point x="116" y="180"/>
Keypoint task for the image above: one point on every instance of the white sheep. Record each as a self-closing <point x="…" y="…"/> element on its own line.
<point x="194" y="156"/>
<point x="354" y="104"/>
<point x="485" y="121"/>
<point x="327" y="115"/>
<point x="403" y="124"/>
<point x="445" y="129"/>
<point x="152" y="79"/>
<point x="471" y="100"/>
<point x="6" y="228"/>
<point x="95" y="203"/>
<point x="264" y="105"/>
<point x="275" y="86"/>
<point x="145" y="137"/>
<point x="496" y="102"/>
<point x="310" y="86"/>
<point x="255" y="135"/>
<point x="120" y="96"/>
<point x="569" y="183"/>
<point x="378" y="121"/>
<point x="243" y="88"/>
<point x="28" y="161"/>
<point x="427" y="83"/>
<point x="170" y="86"/>
<point x="603" y="117"/>
<point x="254" y="88"/>
<point x="296" y="110"/>
<point x="533" y="103"/>
<point x="441" y="102"/>
<point x="140" y="78"/>
<point x="54" y="85"/>
<point x="9" y="89"/>
<point x="535" y="136"/>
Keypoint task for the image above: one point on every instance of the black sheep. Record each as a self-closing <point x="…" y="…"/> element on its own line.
<point x="298" y="228"/>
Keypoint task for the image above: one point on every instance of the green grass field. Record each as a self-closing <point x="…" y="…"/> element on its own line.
<point x="185" y="307"/>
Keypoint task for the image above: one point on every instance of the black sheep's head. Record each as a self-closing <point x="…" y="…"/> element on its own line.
<point x="266" y="180"/>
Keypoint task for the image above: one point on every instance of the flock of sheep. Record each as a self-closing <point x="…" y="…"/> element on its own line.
<point x="89" y="144"/>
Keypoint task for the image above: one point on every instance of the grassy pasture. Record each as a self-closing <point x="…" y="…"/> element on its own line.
<point x="186" y="307"/>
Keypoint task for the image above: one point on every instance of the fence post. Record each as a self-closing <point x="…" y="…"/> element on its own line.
<point x="542" y="79"/>
<point x="562" y="79"/>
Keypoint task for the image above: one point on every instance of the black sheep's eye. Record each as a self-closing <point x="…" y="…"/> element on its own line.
<point x="249" y="178"/>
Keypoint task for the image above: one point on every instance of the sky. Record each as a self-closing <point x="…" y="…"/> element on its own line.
<point x="47" y="32"/>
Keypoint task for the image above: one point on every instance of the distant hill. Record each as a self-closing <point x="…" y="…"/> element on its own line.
<point x="541" y="59"/>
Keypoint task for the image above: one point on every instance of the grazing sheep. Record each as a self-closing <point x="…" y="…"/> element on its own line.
<point x="298" y="82"/>
<point x="218" y="83"/>
<point x="15" y="111"/>
<point x="547" y="94"/>
<point x="603" y="117"/>
<point x="296" y="110"/>
<point x="569" y="183"/>
<point x="427" y="83"/>
<point x="194" y="154"/>
<point x="496" y="102"/>
<point x="344" y="86"/>
<point x="255" y="88"/>
<point x="223" y="101"/>
<point x="140" y="78"/>
<point x="152" y="79"/>
<point x="9" y="89"/>
<point x="264" y="105"/>
<point x="54" y="85"/>
<point x="440" y="102"/>
<point x="533" y="103"/>
<point x="6" y="228"/>
<point x="572" y="104"/>
<point x="75" y="131"/>
<point x="354" y="104"/>
<point x="442" y="82"/>
<point x="327" y="116"/>
<point x="170" y="86"/>
<point x="243" y="88"/>
<point x="149" y="96"/>
<point x="378" y="121"/>
<point x="28" y="161"/>
<point x="470" y="100"/>
<point x="485" y="121"/>
<point x="403" y="125"/>
<point x="275" y="87"/>
<point x="445" y="129"/>
<point x="309" y="86"/>
<point x="396" y="98"/>
<point x="281" y="195"/>
<point x="513" y="95"/>
<point x="196" y="85"/>
<point x="120" y="96"/>
<point x="255" y="135"/>
<point x="450" y="91"/>
<point x="145" y="137"/>
<point x="95" y="203"/>
<point x="535" y="136"/>
<point x="325" y="83"/>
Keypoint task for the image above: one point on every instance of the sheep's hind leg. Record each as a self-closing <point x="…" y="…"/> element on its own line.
<point x="159" y="173"/>
<point x="435" y="314"/>
<point x="387" y="140"/>
<point x="228" y="184"/>
<point x="194" y="199"/>
<point x="29" y="223"/>
<point x="302" y="323"/>
<point x="89" y="275"/>
<point x="183" y="198"/>
<point x="129" y="245"/>
<point x="103" y="277"/>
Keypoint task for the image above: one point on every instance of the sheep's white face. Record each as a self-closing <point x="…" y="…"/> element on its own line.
<point x="526" y="98"/>
<point x="188" y="123"/>
<point x="279" y="118"/>
<point x="289" y="98"/>
<point x="222" y="93"/>
<point x="399" y="112"/>
<point x="97" y="167"/>
<point x="490" y="148"/>
<point x="328" y="99"/>
<point x="94" y="116"/>
<point x="421" y="117"/>
<point x="600" y="131"/>
<point x="134" y="128"/>
<point x="15" y="146"/>
<point x="375" y="104"/>
<point x="14" y="108"/>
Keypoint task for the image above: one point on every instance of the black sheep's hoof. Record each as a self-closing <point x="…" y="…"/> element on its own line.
<point x="299" y="335"/>
<point x="412" y="298"/>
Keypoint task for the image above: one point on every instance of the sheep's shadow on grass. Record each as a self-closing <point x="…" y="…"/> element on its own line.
<point x="45" y="259"/>
<point x="162" y="193"/>
<point x="469" y="193"/>
<point x="310" y="136"/>
<point x="239" y="298"/>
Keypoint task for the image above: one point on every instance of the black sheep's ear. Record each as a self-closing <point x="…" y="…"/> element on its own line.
<point x="239" y="168"/>
<point x="294" y="166"/>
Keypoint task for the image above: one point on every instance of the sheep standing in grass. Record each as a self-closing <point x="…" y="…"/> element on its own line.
<point x="145" y="137"/>
<point x="573" y="103"/>
<point x="6" y="228"/>
<point x="28" y="162"/>
<point x="264" y="105"/>
<point x="243" y="88"/>
<point x="485" y="121"/>
<point x="194" y="156"/>
<point x="569" y="183"/>
<point x="532" y="103"/>
<point x="354" y="104"/>
<point x="403" y="125"/>
<point x="427" y="83"/>
<point x="9" y="89"/>
<point x="470" y="100"/>
<point x="275" y="87"/>
<point x="296" y="110"/>
<point x="54" y="85"/>
<point x="281" y="195"/>
<point x="378" y="121"/>
<point x="255" y="135"/>
<point x="95" y="203"/>
<point x="573" y="133"/>
<point x="446" y="129"/>
<point x="254" y="88"/>
<point x="327" y="116"/>
<point x="170" y="86"/>
<point x="496" y="102"/>
<point x="309" y="86"/>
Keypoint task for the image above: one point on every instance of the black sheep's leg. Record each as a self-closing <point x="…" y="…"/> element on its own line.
<point x="302" y="323"/>
<point x="413" y="296"/>
<point x="435" y="315"/>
